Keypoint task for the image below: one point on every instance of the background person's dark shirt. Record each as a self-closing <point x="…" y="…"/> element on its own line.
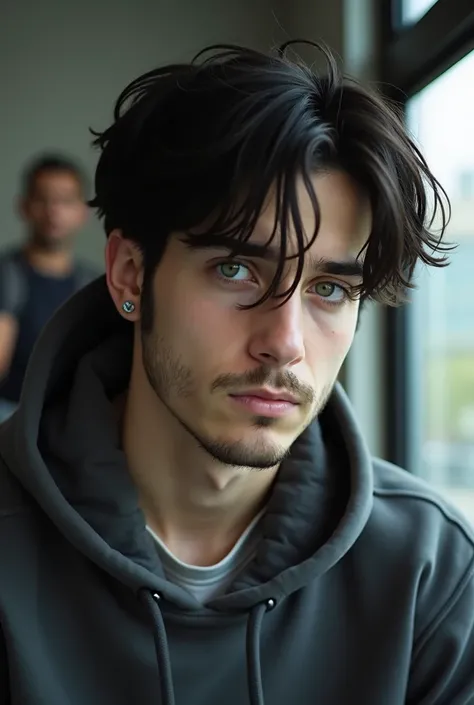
<point x="44" y="294"/>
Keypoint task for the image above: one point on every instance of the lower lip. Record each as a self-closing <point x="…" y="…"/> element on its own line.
<point x="265" y="407"/>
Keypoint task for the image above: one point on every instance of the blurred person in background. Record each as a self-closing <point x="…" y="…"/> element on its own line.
<point x="41" y="274"/>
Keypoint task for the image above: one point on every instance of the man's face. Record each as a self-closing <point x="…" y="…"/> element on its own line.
<point x="246" y="383"/>
<point x="54" y="209"/>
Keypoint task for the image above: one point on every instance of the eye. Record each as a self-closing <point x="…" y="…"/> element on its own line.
<point x="330" y="292"/>
<point x="233" y="271"/>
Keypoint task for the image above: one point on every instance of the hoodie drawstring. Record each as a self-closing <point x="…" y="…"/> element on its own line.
<point x="254" y="628"/>
<point x="151" y="601"/>
<point x="254" y="670"/>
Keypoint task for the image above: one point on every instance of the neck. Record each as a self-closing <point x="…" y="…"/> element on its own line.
<point x="197" y="506"/>
<point x="55" y="262"/>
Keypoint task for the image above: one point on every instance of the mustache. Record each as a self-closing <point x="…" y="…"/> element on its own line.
<point x="266" y="377"/>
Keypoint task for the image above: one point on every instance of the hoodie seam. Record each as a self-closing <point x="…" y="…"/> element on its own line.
<point x="450" y="518"/>
<point x="443" y="613"/>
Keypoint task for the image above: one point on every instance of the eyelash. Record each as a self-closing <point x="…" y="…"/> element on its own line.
<point x="348" y="292"/>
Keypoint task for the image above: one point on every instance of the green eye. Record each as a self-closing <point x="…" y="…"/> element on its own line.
<point x="325" y="289"/>
<point x="330" y="292"/>
<point x="233" y="270"/>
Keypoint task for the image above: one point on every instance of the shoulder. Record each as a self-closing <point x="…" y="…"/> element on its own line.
<point x="415" y="533"/>
<point x="408" y="498"/>
<point x="424" y="549"/>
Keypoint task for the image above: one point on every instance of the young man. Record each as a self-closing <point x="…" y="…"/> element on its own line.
<point x="38" y="277"/>
<point x="189" y="514"/>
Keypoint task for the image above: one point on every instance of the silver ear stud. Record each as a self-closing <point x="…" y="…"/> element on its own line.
<point x="128" y="307"/>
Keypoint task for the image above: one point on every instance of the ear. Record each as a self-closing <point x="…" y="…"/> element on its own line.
<point x="124" y="272"/>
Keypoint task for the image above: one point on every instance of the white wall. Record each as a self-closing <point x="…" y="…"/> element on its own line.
<point x="62" y="64"/>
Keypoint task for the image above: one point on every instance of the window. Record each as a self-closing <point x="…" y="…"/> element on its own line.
<point x="427" y="64"/>
<point x="413" y="10"/>
<point x="441" y="117"/>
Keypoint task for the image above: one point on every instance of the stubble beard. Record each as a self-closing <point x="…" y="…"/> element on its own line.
<point x="171" y="379"/>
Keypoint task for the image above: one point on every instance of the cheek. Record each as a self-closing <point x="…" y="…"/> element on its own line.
<point x="77" y="214"/>
<point x="342" y="331"/>
<point x="205" y="334"/>
<point x="331" y="348"/>
<point x="34" y="212"/>
<point x="342" y="346"/>
<point x="340" y="343"/>
<point x="332" y="340"/>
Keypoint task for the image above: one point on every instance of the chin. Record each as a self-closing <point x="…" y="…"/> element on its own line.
<point x="262" y="448"/>
<point x="52" y="242"/>
<point x="257" y="442"/>
<point x="247" y="456"/>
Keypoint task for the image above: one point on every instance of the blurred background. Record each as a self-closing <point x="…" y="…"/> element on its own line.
<point x="410" y="374"/>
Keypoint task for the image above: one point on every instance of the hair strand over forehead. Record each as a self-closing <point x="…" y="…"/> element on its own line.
<point x="206" y="143"/>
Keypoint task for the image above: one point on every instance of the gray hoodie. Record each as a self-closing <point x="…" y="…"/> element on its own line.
<point x="361" y="592"/>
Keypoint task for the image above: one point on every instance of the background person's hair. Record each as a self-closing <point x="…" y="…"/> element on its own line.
<point x="51" y="163"/>
<point x="196" y="148"/>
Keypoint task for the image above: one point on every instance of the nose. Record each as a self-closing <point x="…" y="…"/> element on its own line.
<point x="278" y="339"/>
<point x="51" y="209"/>
<point x="53" y="205"/>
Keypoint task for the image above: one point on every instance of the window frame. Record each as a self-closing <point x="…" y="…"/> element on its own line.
<point x="411" y="57"/>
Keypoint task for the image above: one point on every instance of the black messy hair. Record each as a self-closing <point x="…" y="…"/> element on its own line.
<point x="205" y="142"/>
<point x="48" y="164"/>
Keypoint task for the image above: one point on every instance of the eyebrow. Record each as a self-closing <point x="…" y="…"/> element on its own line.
<point x="352" y="267"/>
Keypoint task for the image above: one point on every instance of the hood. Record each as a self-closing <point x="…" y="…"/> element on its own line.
<point x="66" y="449"/>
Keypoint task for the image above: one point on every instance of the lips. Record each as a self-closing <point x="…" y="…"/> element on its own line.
<point x="272" y="405"/>
<point x="268" y="395"/>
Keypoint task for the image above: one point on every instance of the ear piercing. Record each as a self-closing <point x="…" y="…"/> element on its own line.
<point x="128" y="307"/>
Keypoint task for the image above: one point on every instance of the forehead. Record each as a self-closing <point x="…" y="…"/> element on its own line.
<point x="55" y="182"/>
<point x="345" y="216"/>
